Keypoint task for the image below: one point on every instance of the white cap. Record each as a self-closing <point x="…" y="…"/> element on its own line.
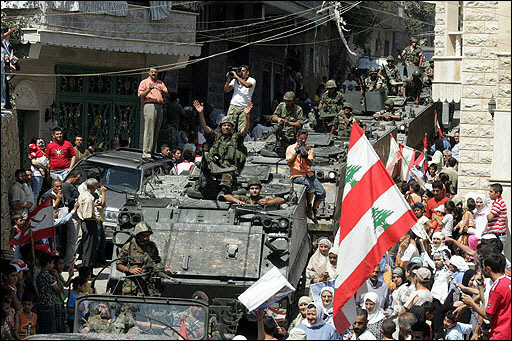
<point x="440" y="208"/>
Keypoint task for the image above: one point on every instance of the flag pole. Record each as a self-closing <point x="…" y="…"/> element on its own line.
<point x="33" y="251"/>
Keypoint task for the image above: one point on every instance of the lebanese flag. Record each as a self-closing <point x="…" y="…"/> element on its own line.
<point x="183" y="330"/>
<point x="408" y="156"/>
<point x="39" y="224"/>
<point x="374" y="216"/>
<point x="275" y="314"/>
<point x="437" y="127"/>
<point x="394" y="155"/>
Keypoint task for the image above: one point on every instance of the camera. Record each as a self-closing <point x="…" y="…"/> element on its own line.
<point x="235" y="69"/>
<point x="302" y="149"/>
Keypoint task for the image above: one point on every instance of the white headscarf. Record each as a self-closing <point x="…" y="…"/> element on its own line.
<point x="331" y="290"/>
<point x="331" y="269"/>
<point x="319" y="315"/>
<point x="459" y="263"/>
<point x="441" y="246"/>
<point x="480" y="216"/>
<point x="376" y="315"/>
<point x="317" y="260"/>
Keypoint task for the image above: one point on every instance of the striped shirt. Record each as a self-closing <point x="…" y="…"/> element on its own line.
<point x="499" y="222"/>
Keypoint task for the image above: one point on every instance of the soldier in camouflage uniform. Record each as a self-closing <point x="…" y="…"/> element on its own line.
<point x="342" y="124"/>
<point x="226" y="157"/>
<point x="412" y="87"/>
<point x="101" y="322"/>
<point x="291" y="116"/>
<point x="139" y="258"/>
<point x="372" y="82"/>
<point x="429" y="72"/>
<point x="194" y="319"/>
<point x="412" y="54"/>
<point x="390" y="76"/>
<point x="388" y="113"/>
<point x="254" y="197"/>
<point x="331" y="102"/>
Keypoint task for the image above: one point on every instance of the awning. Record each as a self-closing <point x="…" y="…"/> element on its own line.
<point x="89" y="41"/>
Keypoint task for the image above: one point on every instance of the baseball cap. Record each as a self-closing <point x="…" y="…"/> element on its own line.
<point x="19" y="265"/>
<point x="418" y="205"/>
<point x="440" y="208"/>
<point x="423" y="274"/>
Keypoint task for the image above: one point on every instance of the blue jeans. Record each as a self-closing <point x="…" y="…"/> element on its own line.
<point x="313" y="185"/>
<point x="59" y="175"/>
<point x="37" y="184"/>
<point x="46" y="320"/>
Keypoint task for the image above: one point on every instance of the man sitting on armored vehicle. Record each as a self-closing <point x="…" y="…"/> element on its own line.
<point x="331" y="102"/>
<point x="350" y="83"/>
<point x="388" y="113"/>
<point x="227" y="154"/>
<point x="390" y="76"/>
<point x="412" y="54"/>
<point x="429" y="72"/>
<point x="102" y="321"/>
<point x="289" y="117"/>
<point x="342" y="124"/>
<point x="412" y="87"/>
<point x="300" y="159"/>
<point x="254" y="198"/>
<point x="372" y="82"/>
<point x="138" y="260"/>
<point x="194" y="319"/>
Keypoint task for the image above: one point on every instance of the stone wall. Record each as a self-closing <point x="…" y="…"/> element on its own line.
<point x="10" y="162"/>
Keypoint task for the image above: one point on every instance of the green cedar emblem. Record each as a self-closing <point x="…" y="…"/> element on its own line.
<point x="379" y="218"/>
<point x="349" y="174"/>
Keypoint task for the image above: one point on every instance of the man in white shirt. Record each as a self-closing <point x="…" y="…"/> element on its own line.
<point x="422" y="294"/>
<point x="243" y="87"/>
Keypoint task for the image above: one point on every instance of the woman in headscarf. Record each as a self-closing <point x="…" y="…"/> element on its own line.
<point x="437" y="243"/>
<point x="327" y="296"/>
<point x="458" y="266"/>
<point x="480" y="220"/>
<point x="303" y="303"/>
<point x="327" y="271"/>
<point x="375" y="315"/>
<point x="319" y="258"/>
<point x="314" y="324"/>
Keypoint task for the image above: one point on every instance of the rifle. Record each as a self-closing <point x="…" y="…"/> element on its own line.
<point x="388" y="81"/>
<point x="363" y="86"/>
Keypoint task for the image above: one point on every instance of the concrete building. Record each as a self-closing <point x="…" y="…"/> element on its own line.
<point x="472" y="67"/>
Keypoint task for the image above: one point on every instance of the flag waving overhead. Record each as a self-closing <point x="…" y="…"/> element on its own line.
<point x="39" y="224"/>
<point x="394" y="155"/>
<point x="437" y="127"/>
<point x="374" y="215"/>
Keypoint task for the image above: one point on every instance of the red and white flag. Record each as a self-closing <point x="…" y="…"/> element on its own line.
<point x="408" y="158"/>
<point x="277" y="315"/>
<point x="394" y="155"/>
<point x="374" y="216"/>
<point x="437" y="127"/>
<point x="39" y="224"/>
<point x="183" y="330"/>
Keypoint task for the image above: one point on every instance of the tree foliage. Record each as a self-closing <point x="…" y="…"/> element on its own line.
<point x="419" y="16"/>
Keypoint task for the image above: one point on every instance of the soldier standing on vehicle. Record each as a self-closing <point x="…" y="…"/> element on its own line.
<point x="390" y="76"/>
<point x="412" y="54"/>
<point x="243" y="87"/>
<point x="388" y="113"/>
<point x="412" y="87"/>
<point x="342" y="124"/>
<point x="227" y="153"/>
<point x="372" y="82"/>
<point x="139" y="257"/>
<point x="330" y="103"/>
<point x="290" y="116"/>
<point x="254" y="198"/>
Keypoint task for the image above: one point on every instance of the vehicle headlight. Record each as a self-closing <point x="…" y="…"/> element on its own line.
<point x="332" y="175"/>
<point x="136" y="218"/>
<point x="403" y="128"/>
<point x="111" y="215"/>
<point x="283" y="223"/>
<point x="124" y="218"/>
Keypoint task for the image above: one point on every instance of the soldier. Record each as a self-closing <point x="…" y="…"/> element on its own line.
<point x="388" y="113"/>
<point x="412" y="87"/>
<point x="139" y="257"/>
<point x="429" y="72"/>
<point x="390" y="76"/>
<point x="194" y="319"/>
<point x="101" y="322"/>
<point x="412" y="54"/>
<point x="372" y="82"/>
<point x="227" y="154"/>
<point x="290" y="116"/>
<point x="342" y="124"/>
<point x="254" y="198"/>
<point x="331" y="101"/>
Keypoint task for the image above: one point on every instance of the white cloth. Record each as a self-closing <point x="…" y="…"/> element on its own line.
<point x="242" y="95"/>
<point x="317" y="260"/>
<point x="442" y="278"/>
<point x="480" y="217"/>
<point x="366" y="335"/>
<point x="184" y="166"/>
<point x="376" y="315"/>
<point x="410" y="252"/>
<point x="447" y="225"/>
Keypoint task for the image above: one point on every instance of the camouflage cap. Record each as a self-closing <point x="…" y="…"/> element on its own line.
<point x="413" y="40"/>
<point x="389" y="102"/>
<point x="347" y="105"/>
<point x="289" y="96"/>
<point x="227" y="119"/>
<point x="390" y="58"/>
<point x="141" y="227"/>
<point x="253" y="181"/>
<point x="416" y="73"/>
<point x="372" y="70"/>
<point x="330" y="84"/>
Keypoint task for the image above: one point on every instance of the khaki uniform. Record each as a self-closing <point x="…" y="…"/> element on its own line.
<point x="332" y="105"/>
<point x="137" y="256"/>
<point x="249" y="200"/>
<point x="294" y="115"/>
<point x="195" y="327"/>
<point x="371" y="84"/>
<point x="343" y="126"/>
<point x="98" y="325"/>
<point x="412" y="56"/>
<point x="429" y="70"/>
<point x="392" y="73"/>
<point x="413" y="87"/>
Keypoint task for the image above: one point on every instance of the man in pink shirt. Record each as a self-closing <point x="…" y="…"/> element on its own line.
<point x="497" y="218"/>
<point x="300" y="159"/>
<point x="151" y="91"/>
<point x="61" y="154"/>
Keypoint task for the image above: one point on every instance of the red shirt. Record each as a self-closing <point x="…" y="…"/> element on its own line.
<point x="59" y="155"/>
<point x="499" y="210"/>
<point x="433" y="203"/>
<point x="499" y="305"/>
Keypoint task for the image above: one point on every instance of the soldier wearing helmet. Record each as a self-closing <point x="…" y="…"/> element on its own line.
<point x="254" y="197"/>
<point x="227" y="154"/>
<point x="372" y="82"/>
<point x="342" y="124"/>
<point x="429" y="71"/>
<point x="388" y="113"/>
<point x="290" y="116"/>
<point x="138" y="257"/>
<point x="390" y="76"/>
<point x="330" y="102"/>
<point x="412" y="54"/>
<point x="412" y="87"/>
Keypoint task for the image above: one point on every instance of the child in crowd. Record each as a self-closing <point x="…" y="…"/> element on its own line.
<point x="60" y="310"/>
<point x="47" y="286"/>
<point x="387" y="329"/>
<point x="79" y="286"/>
<point x="9" y="313"/>
<point x="37" y="155"/>
<point x="86" y="273"/>
<point x="26" y="320"/>
<point x="437" y="218"/>
<point x="17" y="224"/>
<point x="9" y="280"/>
<point x="455" y="330"/>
